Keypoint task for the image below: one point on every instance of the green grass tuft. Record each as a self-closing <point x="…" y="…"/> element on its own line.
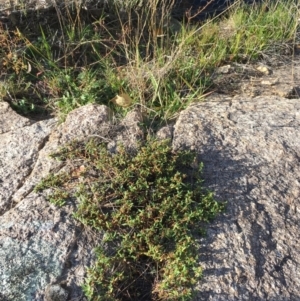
<point x="163" y="64"/>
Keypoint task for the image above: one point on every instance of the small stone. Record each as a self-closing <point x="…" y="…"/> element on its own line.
<point x="264" y="69"/>
<point x="285" y="90"/>
<point x="55" y="293"/>
<point x="225" y="69"/>
<point x="270" y="82"/>
<point x="165" y="133"/>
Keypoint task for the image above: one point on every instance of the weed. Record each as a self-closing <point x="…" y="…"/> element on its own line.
<point x="52" y="181"/>
<point x="147" y="207"/>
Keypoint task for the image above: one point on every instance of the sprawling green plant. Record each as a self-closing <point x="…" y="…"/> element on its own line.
<point x="147" y="205"/>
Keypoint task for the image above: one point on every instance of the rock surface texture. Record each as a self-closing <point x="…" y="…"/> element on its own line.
<point x="250" y="149"/>
<point x="43" y="250"/>
<point x="250" y="146"/>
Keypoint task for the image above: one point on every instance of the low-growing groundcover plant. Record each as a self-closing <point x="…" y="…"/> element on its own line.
<point x="149" y="205"/>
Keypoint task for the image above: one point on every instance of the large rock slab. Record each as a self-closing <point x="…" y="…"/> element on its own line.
<point x="251" y="149"/>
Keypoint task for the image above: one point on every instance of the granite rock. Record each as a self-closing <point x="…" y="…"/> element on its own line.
<point x="21" y="142"/>
<point x="42" y="247"/>
<point x="250" y="148"/>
